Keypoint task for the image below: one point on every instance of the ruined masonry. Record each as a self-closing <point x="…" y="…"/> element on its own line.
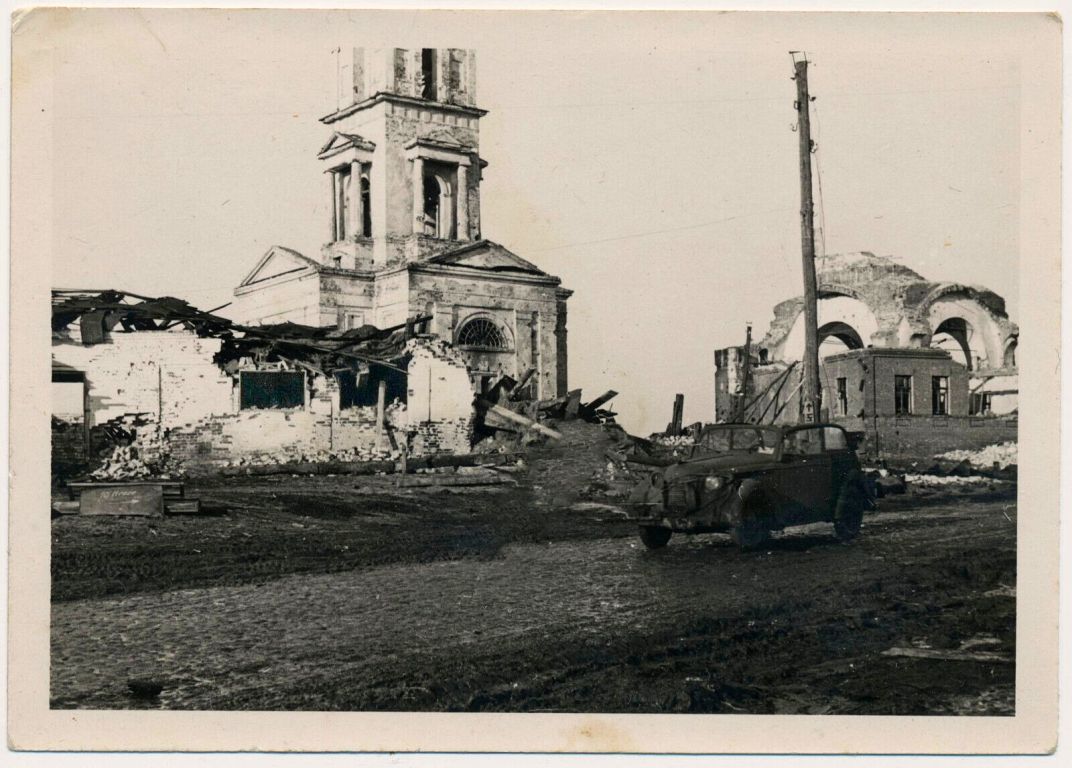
<point x="402" y="173"/>
<point x="916" y="366"/>
<point x="303" y="373"/>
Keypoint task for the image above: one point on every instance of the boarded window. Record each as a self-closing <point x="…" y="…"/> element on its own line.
<point x="273" y="389"/>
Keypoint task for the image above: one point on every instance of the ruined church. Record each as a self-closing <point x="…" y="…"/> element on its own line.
<point x="403" y="239"/>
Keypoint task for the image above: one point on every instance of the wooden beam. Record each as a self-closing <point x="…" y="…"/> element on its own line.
<point x="517" y="418"/>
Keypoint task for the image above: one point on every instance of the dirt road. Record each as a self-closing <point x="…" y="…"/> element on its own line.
<point x="589" y="624"/>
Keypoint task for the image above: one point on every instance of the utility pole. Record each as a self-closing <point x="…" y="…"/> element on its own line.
<point x="746" y="372"/>
<point x="810" y="393"/>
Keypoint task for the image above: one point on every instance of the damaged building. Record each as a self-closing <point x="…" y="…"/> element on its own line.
<point x="193" y="392"/>
<point x="377" y="345"/>
<point x="909" y="363"/>
<point x="402" y="172"/>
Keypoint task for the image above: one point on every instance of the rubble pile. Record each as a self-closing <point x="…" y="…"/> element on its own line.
<point x="1002" y="454"/>
<point x="349" y="455"/>
<point x="135" y="451"/>
<point x="941" y="481"/>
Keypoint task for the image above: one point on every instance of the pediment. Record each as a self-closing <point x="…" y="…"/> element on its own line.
<point x="276" y="262"/>
<point x="340" y="142"/>
<point x="486" y="255"/>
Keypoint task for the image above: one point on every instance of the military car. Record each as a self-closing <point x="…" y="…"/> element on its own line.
<point x="748" y="480"/>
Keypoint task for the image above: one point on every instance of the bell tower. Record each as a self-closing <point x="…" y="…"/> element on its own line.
<point x="402" y="164"/>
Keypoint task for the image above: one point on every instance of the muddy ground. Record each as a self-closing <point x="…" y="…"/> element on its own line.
<point x="347" y="594"/>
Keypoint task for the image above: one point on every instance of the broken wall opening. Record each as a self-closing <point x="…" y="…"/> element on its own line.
<point x="361" y="388"/>
<point x="271" y="389"/>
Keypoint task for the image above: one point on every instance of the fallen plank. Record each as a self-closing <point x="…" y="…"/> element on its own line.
<point x="519" y="390"/>
<point x="517" y="418"/>
<point x="65" y="507"/>
<point x="949" y="655"/>
<point x="603" y="399"/>
<point x="425" y="481"/>
<point x="184" y="507"/>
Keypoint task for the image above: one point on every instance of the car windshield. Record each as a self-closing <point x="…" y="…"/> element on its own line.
<point x="722" y="439"/>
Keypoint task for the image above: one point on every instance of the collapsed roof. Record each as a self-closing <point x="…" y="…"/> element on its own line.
<point x="323" y="349"/>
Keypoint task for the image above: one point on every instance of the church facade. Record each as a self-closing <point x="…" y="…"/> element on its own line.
<point x="402" y="171"/>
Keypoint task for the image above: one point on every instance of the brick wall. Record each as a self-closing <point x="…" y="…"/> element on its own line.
<point x="922" y="437"/>
<point x="184" y="404"/>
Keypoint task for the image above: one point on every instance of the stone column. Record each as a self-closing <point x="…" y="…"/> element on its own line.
<point x="334" y="204"/>
<point x="446" y="215"/>
<point x="357" y="205"/>
<point x="418" y="195"/>
<point x="463" y="202"/>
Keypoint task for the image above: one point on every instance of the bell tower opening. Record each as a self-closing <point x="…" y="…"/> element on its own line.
<point x="438" y="203"/>
<point x="428" y="74"/>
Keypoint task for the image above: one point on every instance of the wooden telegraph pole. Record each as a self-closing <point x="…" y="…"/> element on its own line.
<point x="810" y="393"/>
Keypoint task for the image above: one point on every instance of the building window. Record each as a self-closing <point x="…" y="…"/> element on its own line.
<point x="980" y="404"/>
<point x="361" y="389"/>
<point x="940" y="395"/>
<point x="439" y="202"/>
<point x="841" y="407"/>
<point x="366" y="207"/>
<point x="272" y="389"/>
<point x="350" y="319"/>
<point x="902" y="395"/>
<point x="482" y="333"/>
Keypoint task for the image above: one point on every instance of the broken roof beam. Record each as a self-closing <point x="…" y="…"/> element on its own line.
<point x="518" y="419"/>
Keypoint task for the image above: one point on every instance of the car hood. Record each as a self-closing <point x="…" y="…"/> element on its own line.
<point x="719" y="463"/>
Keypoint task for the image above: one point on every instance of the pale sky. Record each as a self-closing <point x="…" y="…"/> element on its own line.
<point x="646" y="159"/>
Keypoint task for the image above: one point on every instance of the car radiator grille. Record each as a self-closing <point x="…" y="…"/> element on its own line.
<point x="678" y="496"/>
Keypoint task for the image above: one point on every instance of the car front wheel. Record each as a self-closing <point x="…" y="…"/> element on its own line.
<point x="849" y="513"/>
<point x="751" y="533"/>
<point x="655" y="536"/>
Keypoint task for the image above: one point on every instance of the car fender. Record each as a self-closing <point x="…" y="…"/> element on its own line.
<point x="750" y="487"/>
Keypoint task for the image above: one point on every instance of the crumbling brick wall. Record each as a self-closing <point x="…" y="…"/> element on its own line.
<point x="914" y="438"/>
<point x="440" y="399"/>
<point x="167" y="394"/>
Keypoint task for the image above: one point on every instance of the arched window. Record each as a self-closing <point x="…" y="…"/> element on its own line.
<point x="438" y="206"/>
<point x="482" y="332"/>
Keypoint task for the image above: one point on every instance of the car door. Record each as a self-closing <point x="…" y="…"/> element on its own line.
<point x="843" y="460"/>
<point x="806" y="475"/>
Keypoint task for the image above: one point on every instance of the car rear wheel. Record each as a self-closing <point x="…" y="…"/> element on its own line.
<point x="655" y="536"/>
<point x="849" y="514"/>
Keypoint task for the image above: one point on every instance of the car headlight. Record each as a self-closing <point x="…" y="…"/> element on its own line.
<point x="714" y="482"/>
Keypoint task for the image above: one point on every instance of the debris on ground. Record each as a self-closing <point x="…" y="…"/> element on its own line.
<point x="1001" y="455"/>
<point x="932" y="481"/>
